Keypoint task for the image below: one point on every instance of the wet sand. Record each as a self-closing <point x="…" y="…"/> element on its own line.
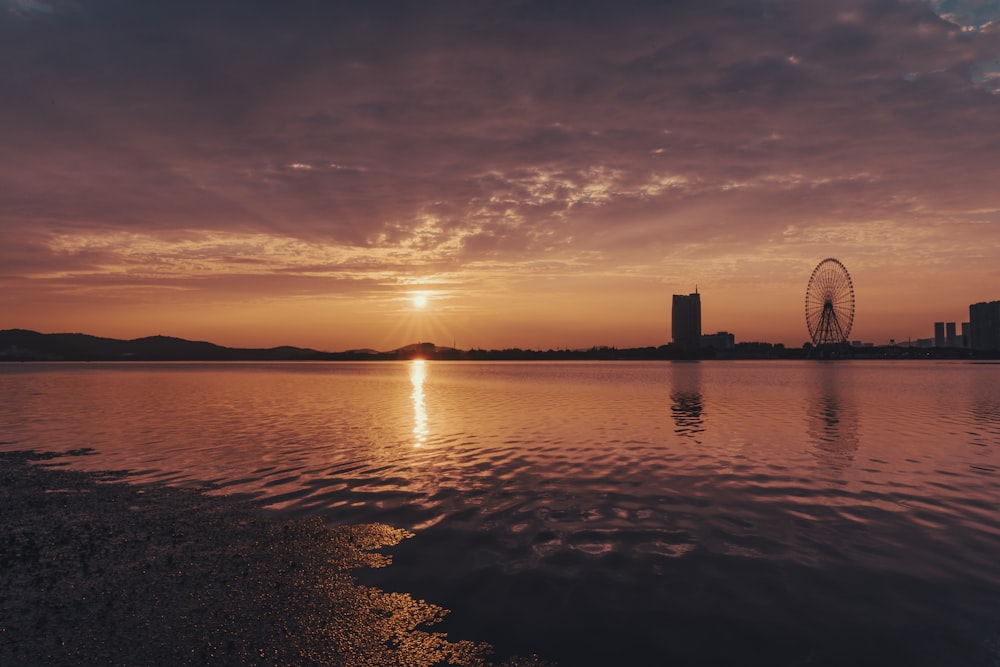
<point x="96" y="571"/>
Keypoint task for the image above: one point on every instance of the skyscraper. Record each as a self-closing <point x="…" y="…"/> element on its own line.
<point x="686" y="321"/>
<point x="939" y="334"/>
<point x="984" y="321"/>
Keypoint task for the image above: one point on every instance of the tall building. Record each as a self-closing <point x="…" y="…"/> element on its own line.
<point x="939" y="334"/>
<point x="949" y="335"/>
<point x="685" y="322"/>
<point x="984" y="323"/>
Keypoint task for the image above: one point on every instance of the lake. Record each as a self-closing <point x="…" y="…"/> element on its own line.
<point x="599" y="513"/>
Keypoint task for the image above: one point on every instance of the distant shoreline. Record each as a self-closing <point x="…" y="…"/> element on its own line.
<point x="20" y="345"/>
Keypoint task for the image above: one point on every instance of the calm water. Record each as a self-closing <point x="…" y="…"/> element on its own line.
<point x="771" y="513"/>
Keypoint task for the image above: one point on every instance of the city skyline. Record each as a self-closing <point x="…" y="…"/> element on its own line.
<point x="523" y="174"/>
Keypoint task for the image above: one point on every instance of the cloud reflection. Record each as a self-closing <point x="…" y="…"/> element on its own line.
<point x="418" y="372"/>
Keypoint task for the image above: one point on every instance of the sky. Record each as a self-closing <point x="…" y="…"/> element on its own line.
<point x="545" y="174"/>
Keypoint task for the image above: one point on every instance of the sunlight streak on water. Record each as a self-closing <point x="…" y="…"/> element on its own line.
<point x="418" y="373"/>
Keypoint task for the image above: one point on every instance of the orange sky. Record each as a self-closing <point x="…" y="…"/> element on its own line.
<point x="547" y="175"/>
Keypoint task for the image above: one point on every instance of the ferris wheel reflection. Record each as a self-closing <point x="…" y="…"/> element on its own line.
<point x="834" y="418"/>
<point x="418" y="373"/>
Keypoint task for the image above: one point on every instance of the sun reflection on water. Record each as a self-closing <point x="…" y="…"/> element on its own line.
<point x="418" y="372"/>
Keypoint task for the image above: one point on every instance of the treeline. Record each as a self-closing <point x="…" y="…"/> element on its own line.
<point x="597" y="353"/>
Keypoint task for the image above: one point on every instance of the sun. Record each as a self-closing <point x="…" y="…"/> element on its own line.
<point x="419" y="300"/>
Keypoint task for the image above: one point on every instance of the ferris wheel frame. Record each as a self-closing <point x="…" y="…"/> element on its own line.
<point x="829" y="303"/>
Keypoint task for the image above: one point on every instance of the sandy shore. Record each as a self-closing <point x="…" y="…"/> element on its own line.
<point x="100" y="572"/>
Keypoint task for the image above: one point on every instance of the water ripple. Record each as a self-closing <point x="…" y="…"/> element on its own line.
<point x="767" y="501"/>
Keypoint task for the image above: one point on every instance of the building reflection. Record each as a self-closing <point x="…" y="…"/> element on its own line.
<point x="418" y="373"/>
<point x="686" y="404"/>
<point x="984" y="409"/>
<point x="833" y="417"/>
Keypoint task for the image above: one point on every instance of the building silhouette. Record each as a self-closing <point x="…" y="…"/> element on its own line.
<point x="946" y="334"/>
<point x="984" y="324"/>
<point x="939" y="334"/>
<point x="719" y="341"/>
<point x="685" y="323"/>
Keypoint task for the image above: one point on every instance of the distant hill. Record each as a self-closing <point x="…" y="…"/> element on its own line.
<point x="24" y="345"/>
<point x="21" y="344"/>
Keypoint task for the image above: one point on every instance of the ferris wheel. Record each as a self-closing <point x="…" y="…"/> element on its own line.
<point x="830" y="303"/>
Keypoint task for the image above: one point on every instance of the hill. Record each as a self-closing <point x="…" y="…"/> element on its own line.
<point x="21" y="344"/>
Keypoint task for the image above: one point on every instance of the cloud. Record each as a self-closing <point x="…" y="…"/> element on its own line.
<point x="377" y="142"/>
<point x="968" y="14"/>
<point x="26" y="8"/>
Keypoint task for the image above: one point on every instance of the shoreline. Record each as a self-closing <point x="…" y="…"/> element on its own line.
<point x="24" y="345"/>
<point x="94" y="570"/>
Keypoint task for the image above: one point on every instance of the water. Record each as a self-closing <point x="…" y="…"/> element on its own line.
<point x="772" y="513"/>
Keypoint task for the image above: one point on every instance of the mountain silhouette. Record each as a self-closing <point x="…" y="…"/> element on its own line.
<point x="21" y="344"/>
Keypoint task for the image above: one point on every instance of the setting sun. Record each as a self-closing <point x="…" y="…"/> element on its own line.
<point x="419" y="300"/>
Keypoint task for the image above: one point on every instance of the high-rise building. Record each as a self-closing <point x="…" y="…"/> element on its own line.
<point x="950" y="340"/>
<point x="686" y="321"/>
<point x="939" y="334"/>
<point x="984" y="322"/>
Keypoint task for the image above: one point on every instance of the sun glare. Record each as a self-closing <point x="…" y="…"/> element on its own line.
<point x="419" y="300"/>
